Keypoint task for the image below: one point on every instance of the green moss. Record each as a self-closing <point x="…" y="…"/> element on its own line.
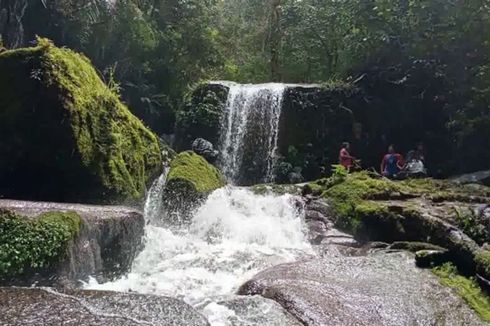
<point x="467" y="288"/>
<point x="472" y="224"/>
<point x="33" y="244"/>
<point x="363" y="193"/>
<point x="79" y="127"/>
<point x="351" y="197"/>
<point x="188" y="167"/>
<point x="482" y="260"/>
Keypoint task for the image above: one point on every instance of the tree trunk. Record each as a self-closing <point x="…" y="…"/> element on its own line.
<point x="275" y="40"/>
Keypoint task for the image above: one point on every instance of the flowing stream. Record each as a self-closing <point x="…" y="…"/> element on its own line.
<point x="232" y="236"/>
<point x="249" y="132"/>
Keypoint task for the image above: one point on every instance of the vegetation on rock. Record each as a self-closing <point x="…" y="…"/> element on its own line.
<point x="466" y="287"/>
<point x="365" y="193"/>
<point x="482" y="259"/>
<point x="65" y="134"/>
<point x="193" y="170"/>
<point x="34" y="244"/>
<point x="190" y="180"/>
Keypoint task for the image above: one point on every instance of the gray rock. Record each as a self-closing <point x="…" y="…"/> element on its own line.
<point x="320" y="206"/>
<point x="377" y="289"/>
<point x="482" y="177"/>
<point x="205" y="148"/>
<point x="248" y="311"/>
<point x="109" y="239"/>
<point x="44" y="306"/>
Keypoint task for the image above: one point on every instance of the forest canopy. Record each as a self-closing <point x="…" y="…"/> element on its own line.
<point x="155" y="51"/>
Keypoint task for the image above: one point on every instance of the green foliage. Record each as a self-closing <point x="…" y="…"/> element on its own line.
<point x="472" y="225"/>
<point x="33" y="244"/>
<point x="465" y="287"/>
<point x="192" y="169"/>
<point x="114" y="147"/>
<point x="339" y="173"/>
<point x="482" y="259"/>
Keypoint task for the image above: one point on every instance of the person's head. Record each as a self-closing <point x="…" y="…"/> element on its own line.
<point x="412" y="155"/>
<point x="391" y="149"/>
<point x="346" y="145"/>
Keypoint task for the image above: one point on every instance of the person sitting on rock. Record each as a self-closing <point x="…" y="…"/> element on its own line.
<point x="392" y="163"/>
<point x="420" y="152"/>
<point x="345" y="159"/>
<point x="414" y="167"/>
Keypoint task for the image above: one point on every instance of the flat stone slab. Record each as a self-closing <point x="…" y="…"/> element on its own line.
<point x="378" y="289"/>
<point x="45" y="306"/>
<point x="86" y="212"/>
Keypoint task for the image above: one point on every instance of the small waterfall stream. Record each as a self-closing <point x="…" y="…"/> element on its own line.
<point x="249" y="133"/>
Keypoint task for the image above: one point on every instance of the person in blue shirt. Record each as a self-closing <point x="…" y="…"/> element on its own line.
<point x="392" y="163"/>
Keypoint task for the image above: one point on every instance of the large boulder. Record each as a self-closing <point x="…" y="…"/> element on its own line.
<point x="64" y="135"/>
<point x="44" y="306"/>
<point x="381" y="288"/>
<point x="190" y="179"/>
<point x="51" y="243"/>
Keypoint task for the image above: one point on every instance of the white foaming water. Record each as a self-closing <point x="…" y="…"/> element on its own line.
<point x="250" y="130"/>
<point x="154" y="199"/>
<point x="232" y="237"/>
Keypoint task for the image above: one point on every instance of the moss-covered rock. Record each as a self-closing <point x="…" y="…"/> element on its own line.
<point x="466" y="287"/>
<point x="188" y="167"/>
<point x="364" y="194"/>
<point x="33" y="245"/>
<point x="482" y="259"/>
<point x="64" y="135"/>
<point x="190" y="179"/>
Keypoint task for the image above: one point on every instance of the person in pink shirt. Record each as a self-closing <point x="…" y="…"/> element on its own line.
<point x="345" y="159"/>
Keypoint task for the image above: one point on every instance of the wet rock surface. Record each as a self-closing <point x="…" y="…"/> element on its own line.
<point x="482" y="177"/>
<point x="380" y="288"/>
<point x="44" y="306"/>
<point x="249" y="310"/>
<point x="109" y="238"/>
<point x="205" y="148"/>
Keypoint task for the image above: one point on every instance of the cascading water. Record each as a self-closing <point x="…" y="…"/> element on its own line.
<point x="249" y="132"/>
<point x="233" y="236"/>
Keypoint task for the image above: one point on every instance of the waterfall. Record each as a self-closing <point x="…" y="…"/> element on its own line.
<point x="249" y="132"/>
<point x="154" y="199"/>
<point x="234" y="235"/>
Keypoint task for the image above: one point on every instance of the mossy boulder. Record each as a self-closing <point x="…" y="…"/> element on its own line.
<point x="412" y="213"/>
<point x="29" y="246"/>
<point x="362" y="194"/>
<point x="64" y="135"/>
<point x="190" y="179"/>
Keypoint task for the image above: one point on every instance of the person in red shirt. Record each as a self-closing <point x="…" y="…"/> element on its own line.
<point x="392" y="163"/>
<point x="345" y="159"/>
